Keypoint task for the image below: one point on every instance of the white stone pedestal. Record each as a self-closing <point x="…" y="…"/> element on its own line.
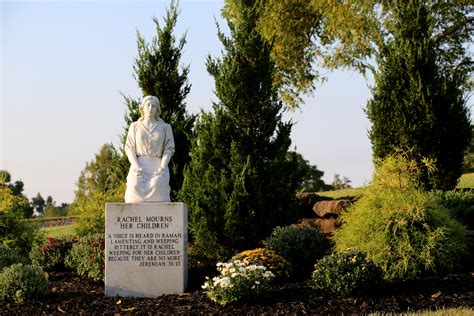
<point x="146" y="249"/>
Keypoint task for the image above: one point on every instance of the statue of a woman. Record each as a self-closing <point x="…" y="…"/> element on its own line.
<point x="149" y="148"/>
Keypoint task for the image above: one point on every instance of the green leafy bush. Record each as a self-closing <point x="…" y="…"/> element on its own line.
<point x="90" y="210"/>
<point x="301" y="246"/>
<point x="267" y="258"/>
<point x="22" y="281"/>
<point x="460" y="204"/>
<point x="17" y="233"/>
<point x="238" y="281"/>
<point x="50" y="254"/>
<point x="9" y="257"/>
<point x="87" y="257"/>
<point x="402" y="228"/>
<point x="345" y="273"/>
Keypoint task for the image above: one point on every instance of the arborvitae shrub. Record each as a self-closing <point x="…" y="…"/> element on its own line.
<point x="302" y="246"/>
<point x="345" y="273"/>
<point x="401" y="227"/>
<point x="9" y="257"/>
<point x="50" y="254"/>
<point x="20" y="281"/>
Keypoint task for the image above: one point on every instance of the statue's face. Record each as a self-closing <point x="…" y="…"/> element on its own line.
<point x="149" y="109"/>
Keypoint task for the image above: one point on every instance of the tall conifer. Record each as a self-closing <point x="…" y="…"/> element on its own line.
<point x="418" y="103"/>
<point x="157" y="71"/>
<point x="238" y="183"/>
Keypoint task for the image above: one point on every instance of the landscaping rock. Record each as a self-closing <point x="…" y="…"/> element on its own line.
<point x="307" y="200"/>
<point x="334" y="207"/>
<point x="324" y="225"/>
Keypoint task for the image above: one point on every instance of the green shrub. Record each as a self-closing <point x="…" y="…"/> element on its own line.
<point x="90" y="210"/>
<point x="301" y="246"/>
<point x="401" y="228"/>
<point x="50" y="254"/>
<point x="9" y="257"/>
<point x="18" y="233"/>
<point x="345" y="273"/>
<point x="238" y="281"/>
<point x="267" y="258"/>
<point x="460" y="204"/>
<point x="22" y="281"/>
<point x="87" y="257"/>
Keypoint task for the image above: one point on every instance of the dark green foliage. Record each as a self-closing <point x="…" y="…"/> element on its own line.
<point x="301" y="246"/>
<point x="345" y="273"/>
<point x="87" y="257"/>
<point x="38" y="203"/>
<point x="9" y="257"/>
<point x="418" y="100"/>
<point x="469" y="157"/>
<point x="239" y="183"/>
<point x="158" y="73"/>
<point x="50" y="254"/>
<point x="19" y="281"/>
<point x="17" y="233"/>
<point x="403" y="229"/>
<point x="460" y="204"/>
<point x="310" y="175"/>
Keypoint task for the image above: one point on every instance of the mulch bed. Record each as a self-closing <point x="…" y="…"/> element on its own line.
<point x="70" y="294"/>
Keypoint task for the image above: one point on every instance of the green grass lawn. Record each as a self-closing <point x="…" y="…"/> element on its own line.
<point x="59" y="231"/>
<point x="466" y="181"/>
<point x="343" y="193"/>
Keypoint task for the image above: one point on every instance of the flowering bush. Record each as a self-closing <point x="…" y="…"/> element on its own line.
<point x="87" y="257"/>
<point x="265" y="257"/>
<point x="238" y="280"/>
<point x="50" y="254"/>
<point x="345" y="273"/>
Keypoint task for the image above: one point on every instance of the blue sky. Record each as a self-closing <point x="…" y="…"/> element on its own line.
<point x="65" y="63"/>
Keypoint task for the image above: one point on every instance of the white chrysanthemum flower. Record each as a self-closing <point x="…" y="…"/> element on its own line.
<point x="242" y="270"/>
<point x="257" y="282"/>
<point x="225" y="282"/>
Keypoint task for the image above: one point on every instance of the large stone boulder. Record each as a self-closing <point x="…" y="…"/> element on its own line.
<point x="324" y="225"/>
<point x="331" y="208"/>
<point x="307" y="200"/>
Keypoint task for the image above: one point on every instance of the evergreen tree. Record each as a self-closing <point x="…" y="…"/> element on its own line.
<point x="310" y="175"/>
<point x="469" y="157"/>
<point x="38" y="203"/>
<point x="418" y="104"/>
<point x="158" y="73"/>
<point x="239" y="184"/>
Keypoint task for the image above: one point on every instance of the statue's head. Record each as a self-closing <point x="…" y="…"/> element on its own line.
<point x="154" y="100"/>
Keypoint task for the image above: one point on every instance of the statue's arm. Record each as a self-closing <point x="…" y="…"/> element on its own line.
<point x="130" y="149"/>
<point x="168" y="148"/>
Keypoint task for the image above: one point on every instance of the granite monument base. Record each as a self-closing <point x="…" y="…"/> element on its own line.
<point x="145" y="249"/>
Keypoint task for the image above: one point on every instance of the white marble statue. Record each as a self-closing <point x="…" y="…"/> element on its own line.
<point x="149" y="148"/>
